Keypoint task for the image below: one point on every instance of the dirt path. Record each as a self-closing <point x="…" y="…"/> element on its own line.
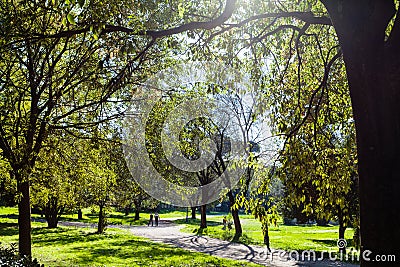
<point x="169" y="233"/>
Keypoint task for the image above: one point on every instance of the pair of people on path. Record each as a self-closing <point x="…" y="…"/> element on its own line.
<point x="156" y="218"/>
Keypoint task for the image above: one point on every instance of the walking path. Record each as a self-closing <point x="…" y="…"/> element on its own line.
<point x="169" y="233"/>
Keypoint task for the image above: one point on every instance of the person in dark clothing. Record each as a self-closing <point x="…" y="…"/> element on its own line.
<point x="151" y="220"/>
<point x="224" y="222"/>
<point x="156" y="217"/>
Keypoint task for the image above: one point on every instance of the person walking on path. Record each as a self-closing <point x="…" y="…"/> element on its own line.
<point x="151" y="219"/>
<point x="224" y="221"/>
<point x="156" y="217"/>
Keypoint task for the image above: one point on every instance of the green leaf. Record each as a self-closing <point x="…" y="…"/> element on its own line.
<point x="71" y="19"/>
<point x="64" y="21"/>
<point x="181" y="10"/>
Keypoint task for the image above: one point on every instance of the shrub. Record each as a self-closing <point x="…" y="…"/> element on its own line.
<point x="9" y="257"/>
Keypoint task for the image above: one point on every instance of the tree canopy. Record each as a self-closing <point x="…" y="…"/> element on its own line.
<point x="71" y="65"/>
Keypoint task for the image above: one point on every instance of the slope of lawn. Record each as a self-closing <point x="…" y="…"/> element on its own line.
<point x="317" y="238"/>
<point x="67" y="246"/>
<point x="299" y="238"/>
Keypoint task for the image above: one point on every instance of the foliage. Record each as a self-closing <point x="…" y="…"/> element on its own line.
<point x="296" y="63"/>
<point x="58" y="178"/>
<point x="318" y="164"/>
<point x="62" y="70"/>
<point x="8" y="186"/>
<point x="81" y="247"/>
<point x="128" y="192"/>
<point x="9" y="257"/>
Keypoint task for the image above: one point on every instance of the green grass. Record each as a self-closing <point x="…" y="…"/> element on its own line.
<point x="115" y="217"/>
<point x="67" y="246"/>
<point x="317" y="238"/>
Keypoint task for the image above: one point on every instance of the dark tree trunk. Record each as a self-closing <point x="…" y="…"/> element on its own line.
<point x="51" y="216"/>
<point x="138" y="205"/>
<point x="203" y="215"/>
<point x="342" y="230"/>
<point x="102" y="223"/>
<point x="52" y="212"/>
<point x="266" y="235"/>
<point x="24" y="218"/>
<point x="373" y="71"/>
<point x="80" y="217"/>
<point x="137" y="214"/>
<point x="126" y="209"/>
<point x="235" y="216"/>
<point x="52" y="221"/>
<point x="193" y="212"/>
<point x="236" y="222"/>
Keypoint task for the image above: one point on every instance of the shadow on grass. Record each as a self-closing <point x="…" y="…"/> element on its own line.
<point x="134" y="250"/>
<point x="114" y="219"/>
<point x="8" y="229"/>
<point x="196" y="222"/>
<point x="330" y="242"/>
<point x="9" y="216"/>
<point x="325" y="242"/>
<point x="81" y="248"/>
<point x="62" y="235"/>
<point x="69" y="219"/>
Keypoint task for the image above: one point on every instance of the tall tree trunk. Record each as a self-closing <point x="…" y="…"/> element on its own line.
<point x="24" y="218"/>
<point x="137" y="214"/>
<point x="265" y="232"/>
<point x="138" y="205"/>
<point x="235" y="216"/>
<point x="342" y="229"/>
<point x="373" y="71"/>
<point x="203" y="210"/>
<point x="80" y="217"/>
<point x="126" y="210"/>
<point x="193" y="212"/>
<point x="51" y="218"/>
<point x="236" y="222"/>
<point x="52" y="212"/>
<point x="101" y="223"/>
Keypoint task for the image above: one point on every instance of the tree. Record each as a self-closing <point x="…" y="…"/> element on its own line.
<point x="128" y="192"/>
<point x="47" y="84"/>
<point x="368" y="34"/>
<point x="318" y="160"/>
<point x="321" y="179"/>
<point x="369" y="37"/>
<point x="101" y="177"/>
<point x="7" y="185"/>
<point x="57" y="178"/>
<point x="56" y="73"/>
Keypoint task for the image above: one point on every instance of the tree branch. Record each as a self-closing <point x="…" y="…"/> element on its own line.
<point x="154" y="34"/>
<point x="321" y="85"/>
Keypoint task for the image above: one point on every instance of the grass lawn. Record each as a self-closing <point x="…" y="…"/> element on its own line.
<point x="67" y="246"/>
<point x="317" y="238"/>
<point x="114" y="217"/>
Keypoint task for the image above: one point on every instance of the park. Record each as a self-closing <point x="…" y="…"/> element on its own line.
<point x="199" y="133"/>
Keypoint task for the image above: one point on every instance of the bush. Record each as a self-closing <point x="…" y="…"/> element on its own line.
<point x="9" y="257"/>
